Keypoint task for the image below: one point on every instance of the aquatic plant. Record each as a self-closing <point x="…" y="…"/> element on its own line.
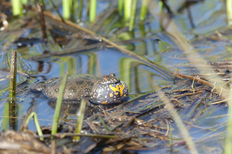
<point x="59" y="104"/>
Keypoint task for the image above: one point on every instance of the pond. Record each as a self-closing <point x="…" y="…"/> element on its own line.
<point x="153" y="57"/>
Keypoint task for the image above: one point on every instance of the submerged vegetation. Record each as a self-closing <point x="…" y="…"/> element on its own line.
<point x="142" y="41"/>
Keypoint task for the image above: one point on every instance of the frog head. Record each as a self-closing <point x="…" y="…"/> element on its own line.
<point x="109" y="90"/>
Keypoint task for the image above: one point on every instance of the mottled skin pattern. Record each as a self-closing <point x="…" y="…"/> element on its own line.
<point x="106" y="90"/>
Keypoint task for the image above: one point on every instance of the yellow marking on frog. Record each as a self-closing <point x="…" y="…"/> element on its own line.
<point x="111" y="95"/>
<point x="118" y="88"/>
<point x="104" y="103"/>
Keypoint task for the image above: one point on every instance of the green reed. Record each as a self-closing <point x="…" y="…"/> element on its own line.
<point x="10" y="107"/>
<point x="127" y="10"/>
<point x="24" y="1"/>
<point x="143" y="11"/>
<point x="179" y="123"/>
<point x="229" y="11"/>
<point x="80" y="9"/>
<point x="120" y="6"/>
<point x="92" y="10"/>
<point x="133" y="15"/>
<point x="34" y="115"/>
<point x="104" y="124"/>
<point x="13" y="72"/>
<point x="6" y="116"/>
<point x="16" y="7"/>
<point x="67" y="8"/>
<point x="59" y="104"/>
<point x="80" y="119"/>
<point x="228" y="140"/>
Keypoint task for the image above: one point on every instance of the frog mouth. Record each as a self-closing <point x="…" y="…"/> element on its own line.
<point x="117" y="102"/>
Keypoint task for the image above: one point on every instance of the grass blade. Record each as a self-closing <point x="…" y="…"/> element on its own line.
<point x="80" y="10"/>
<point x="34" y="115"/>
<point x="104" y="124"/>
<point x="143" y="10"/>
<point x="12" y="91"/>
<point x="133" y="14"/>
<point x="16" y="7"/>
<point x="228" y="141"/>
<point x="80" y="119"/>
<point x="127" y="10"/>
<point x="183" y="130"/>
<point x="67" y="8"/>
<point x="120" y="6"/>
<point x="5" y="116"/>
<point x="59" y="104"/>
<point x="24" y="1"/>
<point x="13" y="71"/>
<point x="229" y="11"/>
<point x="92" y="10"/>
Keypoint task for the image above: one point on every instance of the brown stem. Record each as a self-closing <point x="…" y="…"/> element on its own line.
<point x="42" y="21"/>
<point x="194" y="78"/>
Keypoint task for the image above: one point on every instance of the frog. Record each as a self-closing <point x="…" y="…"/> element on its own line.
<point x="107" y="89"/>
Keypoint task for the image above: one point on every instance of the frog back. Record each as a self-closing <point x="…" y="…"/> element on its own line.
<point x="77" y="87"/>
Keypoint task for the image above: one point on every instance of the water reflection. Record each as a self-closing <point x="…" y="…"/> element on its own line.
<point x="137" y="75"/>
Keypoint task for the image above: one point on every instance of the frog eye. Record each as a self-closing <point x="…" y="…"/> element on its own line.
<point x="105" y="77"/>
<point x="112" y="75"/>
